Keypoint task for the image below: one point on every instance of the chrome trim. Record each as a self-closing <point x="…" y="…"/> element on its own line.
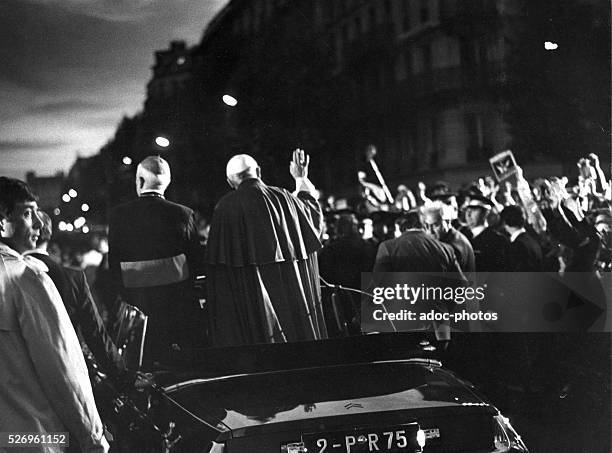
<point x="180" y="385"/>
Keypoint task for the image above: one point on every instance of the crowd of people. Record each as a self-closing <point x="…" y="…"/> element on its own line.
<point x="513" y="226"/>
<point x="278" y="266"/>
<point x="568" y="226"/>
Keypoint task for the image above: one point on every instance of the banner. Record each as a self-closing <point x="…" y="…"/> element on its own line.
<point x="503" y="165"/>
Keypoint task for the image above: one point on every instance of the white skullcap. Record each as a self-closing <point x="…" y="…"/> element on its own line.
<point x="240" y="163"/>
<point x="155" y="170"/>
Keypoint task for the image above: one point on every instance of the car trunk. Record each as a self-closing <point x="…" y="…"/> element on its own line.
<point x="265" y="411"/>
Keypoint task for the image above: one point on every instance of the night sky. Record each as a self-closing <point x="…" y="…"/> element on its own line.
<point x="71" y="69"/>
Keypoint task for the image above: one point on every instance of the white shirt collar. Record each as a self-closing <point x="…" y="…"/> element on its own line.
<point x="477" y="230"/>
<point x="150" y="192"/>
<point x="516" y="234"/>
<point x="38" y="251"/>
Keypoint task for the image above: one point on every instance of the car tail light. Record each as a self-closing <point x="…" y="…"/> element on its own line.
<point x="297" y="447"/>
<point x="505" y="438"/>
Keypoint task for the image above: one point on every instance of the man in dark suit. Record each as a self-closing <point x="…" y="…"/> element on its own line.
<point x="437" y="220"/>
<point x="490" y="247"/>
<point x="524" y="253"/>
<point x="342" y="262"/>
<point x="153" y="254"/>
<point x="415" y="250"/>
<point x="81" y="308"/>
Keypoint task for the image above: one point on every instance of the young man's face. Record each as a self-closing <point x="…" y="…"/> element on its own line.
<point x="21" y="229"/>
<point x="474" y="216"/>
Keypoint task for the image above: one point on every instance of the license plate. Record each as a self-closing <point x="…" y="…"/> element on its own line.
<point x="396" y="439"/>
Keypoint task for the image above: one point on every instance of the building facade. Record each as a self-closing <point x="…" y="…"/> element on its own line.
<point x="431" y="83"/>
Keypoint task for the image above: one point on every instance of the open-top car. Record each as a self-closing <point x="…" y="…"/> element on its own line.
<point x="375" y="393"/>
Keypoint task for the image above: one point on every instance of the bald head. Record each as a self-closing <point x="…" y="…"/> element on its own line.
<point x="241" y="167"/>
<point x="153" y="173"/>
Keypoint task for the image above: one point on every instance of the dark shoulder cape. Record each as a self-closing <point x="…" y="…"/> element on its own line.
<point x="260" y="224"/>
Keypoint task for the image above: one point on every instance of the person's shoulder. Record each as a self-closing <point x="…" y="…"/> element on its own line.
<point x="494" y="235"/>
<point x="179" y="208"/>
<point x="446" y="247"/>
<point x="276" y="191"/>
<point x="414" y="236"/>
<point x="393" y="242"/>
<point x="527" y="240"/>
<point x="459" y="236"/>
<point x="228" y="200"/>
<point x="73" y="274"/>
<point x="125" y="206"/>
<point x="30" y="277"/>
<point x="11" y="266"/>
<point x="53" y="266"/>
<point x="121" y="211"/>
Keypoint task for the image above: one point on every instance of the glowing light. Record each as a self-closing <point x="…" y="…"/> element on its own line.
<point x="85" y="229"/>
<point x="79" y="222"/>
<point x="127" y="161"/>
<point x="69" y="227"/>
<point x="62" y="226"/>
<point x="230" y="100"/>
<point x="162" y="141"/>
<point x="73" y="193"/>
<point x="180" y="61"/>
<point x="550" y="45"/>
<point x="65" y="198"/>
<point x="57" y="211"/>
<point x="84" y="207"/>
<point x="420" y="438"/>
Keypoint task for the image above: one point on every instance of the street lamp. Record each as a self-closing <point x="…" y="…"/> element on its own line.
<point x="162" y="141"/>
<point x="65" y="198"/>
<point x="229" y="100"/>
<point x="548" y="45"/>
<point x="84" y="207"/>
<point x="127" y="160"/>
<point x="72" y="193"/>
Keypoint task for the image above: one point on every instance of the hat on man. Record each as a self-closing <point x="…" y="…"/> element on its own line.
<point x="438" y="188"/>
<point x="154" y="172"/>
<point x="443" y="197"/>
<point x="478" y="201"/>
<point x="155" y="165"/>
<point x="239" y="163"/>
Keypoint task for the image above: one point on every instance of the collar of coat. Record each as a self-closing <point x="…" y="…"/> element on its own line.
<point x="35" y="264"/>
<point x="151" y="193"/>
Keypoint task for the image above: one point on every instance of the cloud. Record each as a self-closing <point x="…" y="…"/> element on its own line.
<point x="71" y="69"/>
<point x="29" y="145"/>
<point x="15" y="164"/>
<point x="67" y="106"/>
<point x="111" y="10"/>
<point x="135" y="11"/>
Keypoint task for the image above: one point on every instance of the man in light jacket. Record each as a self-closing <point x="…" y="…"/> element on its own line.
<point x="44" y="385"/>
